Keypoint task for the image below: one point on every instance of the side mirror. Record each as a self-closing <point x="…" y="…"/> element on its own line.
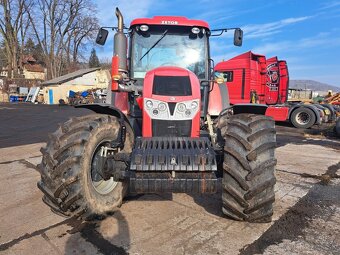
<point x="238" y="37"/>
<point x="101" y="36"/>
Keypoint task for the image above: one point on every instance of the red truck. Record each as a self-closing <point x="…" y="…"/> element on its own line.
<point x="253" y="79"/>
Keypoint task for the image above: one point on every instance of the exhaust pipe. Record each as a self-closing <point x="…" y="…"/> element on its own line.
<point x="120" y="20"/>
<point x="120" y="43"/>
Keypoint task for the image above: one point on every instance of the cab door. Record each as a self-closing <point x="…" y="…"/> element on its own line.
<point x="235" y="80"/>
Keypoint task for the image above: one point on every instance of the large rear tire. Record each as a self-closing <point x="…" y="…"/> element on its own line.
<point x="248" y="167"/>
<point x="70" y="184"/>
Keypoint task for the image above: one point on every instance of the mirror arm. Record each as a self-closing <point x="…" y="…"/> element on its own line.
<point x="116" y="29"/>
<point x="222" y="30"/>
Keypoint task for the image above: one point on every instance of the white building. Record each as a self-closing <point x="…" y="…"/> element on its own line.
<point x="78" y="81"/>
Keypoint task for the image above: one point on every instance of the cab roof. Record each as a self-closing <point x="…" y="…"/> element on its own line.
<point x="171" y="21"/>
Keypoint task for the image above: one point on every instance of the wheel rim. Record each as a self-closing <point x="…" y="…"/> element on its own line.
<point x="302" y="118"/>
<point x="101" y="186"/>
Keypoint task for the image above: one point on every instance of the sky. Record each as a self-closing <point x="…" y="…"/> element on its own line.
<point x="305" y="33"/>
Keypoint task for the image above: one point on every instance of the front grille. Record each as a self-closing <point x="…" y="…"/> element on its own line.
<point x="179" y="128"/>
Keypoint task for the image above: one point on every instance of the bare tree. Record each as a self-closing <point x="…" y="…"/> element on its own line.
<point x="60" y="27"/>
<point x="13" y="28"/>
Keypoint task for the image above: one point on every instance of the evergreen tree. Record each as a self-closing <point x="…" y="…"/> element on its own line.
<point x="29" y="48"/>
<point x="38" y="54"/>
<point x="94" y="61"/>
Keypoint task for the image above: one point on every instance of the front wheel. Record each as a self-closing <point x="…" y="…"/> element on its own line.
<point x="70" y="180"/>
<point x="248" y="167"/>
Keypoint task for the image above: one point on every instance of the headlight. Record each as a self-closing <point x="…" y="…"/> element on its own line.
<point x="149" y="104"/>
<point x="181" y="107"/>
<point x="155" y="112"/>
<point x="195" y="30"/>
<point x="144" y="28"/>
<point x="162" y="107"/>
<point x="187" y="113"/>
<point x="194" y="105"/>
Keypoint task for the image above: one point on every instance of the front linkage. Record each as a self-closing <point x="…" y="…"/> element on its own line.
<point x="162" y="164"/>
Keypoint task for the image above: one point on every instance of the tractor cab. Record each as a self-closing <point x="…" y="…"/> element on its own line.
<point x="168" y="57"/>
<point x="161" y="41"/>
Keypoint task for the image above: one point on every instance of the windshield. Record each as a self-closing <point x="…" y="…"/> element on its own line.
<point x="170" y="47"/>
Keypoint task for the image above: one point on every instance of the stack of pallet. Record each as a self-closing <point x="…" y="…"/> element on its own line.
<point x="335" y="99"/>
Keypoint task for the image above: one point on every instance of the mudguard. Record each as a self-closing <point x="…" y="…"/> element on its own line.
<point x="250" y="108"/>
<point x="310" y="106"/>
<point x="106" y="109"/>
<point x="218" y="99"/>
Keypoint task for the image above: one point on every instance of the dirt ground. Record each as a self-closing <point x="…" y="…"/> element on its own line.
<point x="306" y="210"/>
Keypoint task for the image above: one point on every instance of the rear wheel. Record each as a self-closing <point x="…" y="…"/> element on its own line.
<point x="303" y="117"/>
<point x="248" y="167"/>
<point x="70" y="180"/>
<point x="337" y="127"/>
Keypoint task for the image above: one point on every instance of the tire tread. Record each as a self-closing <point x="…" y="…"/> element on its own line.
<point x="248" y="168"/>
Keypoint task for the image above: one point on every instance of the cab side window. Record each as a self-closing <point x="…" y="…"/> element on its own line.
<point x="227" y="76"/>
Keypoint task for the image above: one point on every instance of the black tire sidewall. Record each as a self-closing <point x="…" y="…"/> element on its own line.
<point x="337" y="127"/>
<point x="332" y="110"/>
<point x="99" y="203"/>
<point x="306" y="110"/>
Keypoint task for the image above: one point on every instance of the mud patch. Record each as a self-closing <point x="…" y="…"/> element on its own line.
<point x="325" y="178"/>
<point x="87" y="230"/>
<point x="318" y="135"/>
<point x="319" y="204"/>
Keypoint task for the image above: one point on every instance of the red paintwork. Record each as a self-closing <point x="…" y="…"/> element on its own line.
<point x="277" y="81"/>
<point x="139" y="101"/>
<point x="170" y="20"/>
<point x="215" y="101"/>
<point x="147" y="93"/>
<point x="284" y="81"/>
<point x="267" y="77"/>
<point x="271" y="91"/>
<point x="279" y="113"/>
<point x="249" y="66"/>
<point x="114" y="71"/>
<point x="121" y="101"/>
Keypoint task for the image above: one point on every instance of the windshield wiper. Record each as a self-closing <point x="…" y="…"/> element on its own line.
<point x="153" y="46"/>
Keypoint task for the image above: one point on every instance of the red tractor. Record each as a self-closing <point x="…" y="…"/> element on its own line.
<point x="167" y="129"/>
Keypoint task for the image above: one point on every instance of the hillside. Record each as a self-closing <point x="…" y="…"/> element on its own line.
<point x="313" y="85"/>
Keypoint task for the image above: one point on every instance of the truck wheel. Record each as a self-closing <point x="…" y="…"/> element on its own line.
<point x="337" y="127"/>
<point x="332" y="115"/>
<point x="303" y="118"/>
<point x="69" y="180"/>
<point x="248" y="167"/>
